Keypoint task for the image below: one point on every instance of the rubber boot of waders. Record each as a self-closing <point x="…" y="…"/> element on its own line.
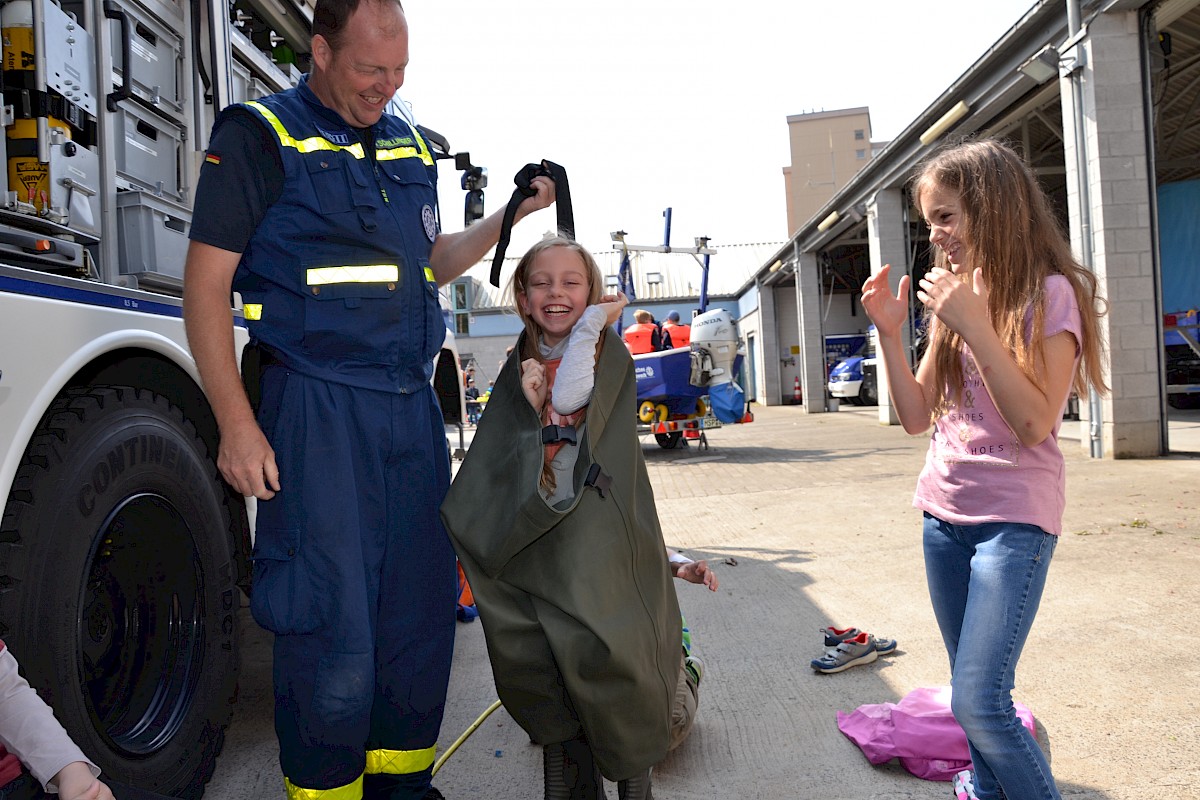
<point x="570" y="772"/>
<point x="553" y="760"/>
<point x="635" y="788"/>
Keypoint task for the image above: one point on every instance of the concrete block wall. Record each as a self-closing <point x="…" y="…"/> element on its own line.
<point x="812" y="341"/>
<point x="769" y="346"/>
<point x="1122" y="248"/>
<point x="887" y="242"/>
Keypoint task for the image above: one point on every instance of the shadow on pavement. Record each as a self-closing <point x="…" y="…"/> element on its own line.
<point x="810" y="525"/>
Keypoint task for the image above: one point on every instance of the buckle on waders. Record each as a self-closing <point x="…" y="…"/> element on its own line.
<point x="598" y="479"/>
<point x="553" y="434"/>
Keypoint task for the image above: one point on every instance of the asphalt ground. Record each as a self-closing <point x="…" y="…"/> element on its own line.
<point x="808" y="520"/>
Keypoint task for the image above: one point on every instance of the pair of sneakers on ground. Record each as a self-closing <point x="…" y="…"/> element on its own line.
<point x="849" y="647"/>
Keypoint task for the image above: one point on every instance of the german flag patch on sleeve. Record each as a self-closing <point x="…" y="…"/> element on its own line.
<point x="212" y="158"/>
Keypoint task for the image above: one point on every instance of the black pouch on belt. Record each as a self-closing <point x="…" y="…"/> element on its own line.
<point x="255" y="359"/>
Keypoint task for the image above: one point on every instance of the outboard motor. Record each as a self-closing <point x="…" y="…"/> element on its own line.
<point x="714" y="361"/>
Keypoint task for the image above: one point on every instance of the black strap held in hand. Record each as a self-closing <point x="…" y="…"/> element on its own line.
<point x="524" y="181"/>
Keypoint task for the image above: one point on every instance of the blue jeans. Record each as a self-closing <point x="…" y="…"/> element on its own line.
<point x="986" y="582"/>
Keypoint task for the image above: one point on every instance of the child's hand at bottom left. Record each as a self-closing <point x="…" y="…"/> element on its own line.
<point x="75" y="782"/>
<point x="533" y="383"/>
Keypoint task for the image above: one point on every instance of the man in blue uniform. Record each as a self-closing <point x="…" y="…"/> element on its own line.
<point x="321" y="211"/>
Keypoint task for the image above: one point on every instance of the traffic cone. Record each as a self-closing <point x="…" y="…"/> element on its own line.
<point x="796" y="396"/>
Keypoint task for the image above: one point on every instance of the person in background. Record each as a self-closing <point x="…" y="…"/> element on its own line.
<point x="680" y="334"/>
<point x="643" y="335"/>
<point x="664" y="338"/>
<point x="35" y="751"/>
<point x="1014" y="326"/>
<point x="471" y="393"/>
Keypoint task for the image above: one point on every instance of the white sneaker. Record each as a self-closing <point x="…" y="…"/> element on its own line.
<point x="850" y="653"/>
<point x="964" y="786"/>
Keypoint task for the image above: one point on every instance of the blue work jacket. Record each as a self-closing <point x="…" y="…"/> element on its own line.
<point x="336" y="279"/>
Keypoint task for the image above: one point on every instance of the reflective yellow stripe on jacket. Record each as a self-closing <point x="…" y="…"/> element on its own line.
<point x="324" y="276"/>
<point x="392" y="153"/>
<point x="399" y="762"/>
<point x="309" y="145"/>
<point x="315" y="143"/>
<point x="369" y="273"/>
<point x="351" y="791"/>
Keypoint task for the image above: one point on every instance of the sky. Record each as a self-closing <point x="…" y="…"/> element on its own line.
<point x="650" y="104"/>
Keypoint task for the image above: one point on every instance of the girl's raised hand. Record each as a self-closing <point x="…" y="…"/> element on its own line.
<point x="886" y="310"/>
<point x="613" y="305"/>
<point x="954" y="302"/>
<point x="533" y="383"/>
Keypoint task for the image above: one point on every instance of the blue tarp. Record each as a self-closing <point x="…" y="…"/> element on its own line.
<point x="1179" y="247"/>
<point x="728" y="402"/>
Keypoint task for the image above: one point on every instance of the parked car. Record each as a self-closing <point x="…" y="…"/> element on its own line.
<point x="854" y="379"/>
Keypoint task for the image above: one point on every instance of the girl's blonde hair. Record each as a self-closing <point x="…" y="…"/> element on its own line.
<point x="1011" y="233"/>
<point x="533" y="331"/>
<point x="520" y="279"/>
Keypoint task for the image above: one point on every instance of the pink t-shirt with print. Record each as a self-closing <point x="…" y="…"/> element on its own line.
<point x="977" y="470"/>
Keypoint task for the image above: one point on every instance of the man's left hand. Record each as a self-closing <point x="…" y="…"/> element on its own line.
<point x="543" y="198"/>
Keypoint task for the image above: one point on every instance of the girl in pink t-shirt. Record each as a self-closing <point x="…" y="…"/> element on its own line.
<point x="1013" y="327"/>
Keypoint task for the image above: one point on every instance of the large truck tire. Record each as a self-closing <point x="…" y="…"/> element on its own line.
<point x="117" y="586"/>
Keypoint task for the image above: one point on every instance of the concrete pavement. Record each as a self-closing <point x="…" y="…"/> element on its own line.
<point x="808" y="522"/>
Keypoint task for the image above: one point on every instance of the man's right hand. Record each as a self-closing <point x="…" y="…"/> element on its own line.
<point x="245" y="458"/>
<point x="247" y="461"/>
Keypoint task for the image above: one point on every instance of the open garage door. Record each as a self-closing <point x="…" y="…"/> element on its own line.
<point x="1173" y="49"/>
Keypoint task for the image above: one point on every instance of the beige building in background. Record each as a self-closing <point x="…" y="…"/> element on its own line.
<point x="828" y="148"/>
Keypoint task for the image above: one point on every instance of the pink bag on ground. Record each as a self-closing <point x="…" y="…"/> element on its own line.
<point x="920" y="730"/>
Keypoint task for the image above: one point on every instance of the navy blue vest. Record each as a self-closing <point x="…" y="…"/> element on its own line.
<point x="336" y="278"/>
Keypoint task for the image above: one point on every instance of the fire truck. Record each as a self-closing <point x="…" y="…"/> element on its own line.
<point x="123" y="555"/>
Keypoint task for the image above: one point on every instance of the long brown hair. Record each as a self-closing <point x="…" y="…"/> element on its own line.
<point x="1011" y="233"/>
